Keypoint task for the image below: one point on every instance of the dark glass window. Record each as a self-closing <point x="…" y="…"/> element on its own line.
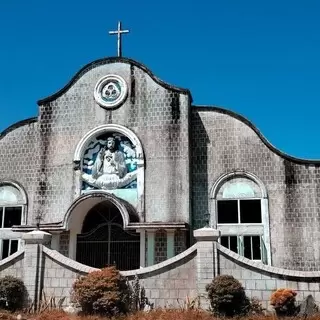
<point x="12" y="216"/>
<point x="224" y="241"/>
<point x="9" y="247"/>
<point x="14" y="246"/>
<point x="5" y="248"/>
<point x="233" y="244"/>
<point x="227" y="211"/>
<point x="250" y="211"/>
<point x="252" y="247"/>
<point x="256" y="250"/>
<point x="230" y="242"/>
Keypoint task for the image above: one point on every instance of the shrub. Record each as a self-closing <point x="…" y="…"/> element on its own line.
<point x="255" y="307"/>
<point x="12" y="293"/>
<point x="102" y="292"/>
<point x="283" y="301"/>
<point x="137" y="298"/>
<point x="227" y="296"/>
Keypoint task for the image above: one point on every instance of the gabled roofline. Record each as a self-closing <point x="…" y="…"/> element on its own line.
<point x="109" y="60"/>
<point x="241" y="118"/>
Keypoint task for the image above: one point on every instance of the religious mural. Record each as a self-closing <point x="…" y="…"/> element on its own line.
<point x="110" y="163"/>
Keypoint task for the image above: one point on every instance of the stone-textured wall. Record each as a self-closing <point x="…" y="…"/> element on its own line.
<point x="260" y="281"/>
<point x="20" y="160"/>
<point x="168" y="283"/>
<point x="59" y="274"/>
<point x="58" y="280"/>
<point x="64" y="243"/>
<point x="180" y="241"/>
<point x="39" y="155"/>
<point x="160" y="250"/>
<point x="12" y="266"/>
<point x="160" y="254"/>
<point x="222" y="143"/>
<point x="164" y="283"/>
<point x="158" y="116"/>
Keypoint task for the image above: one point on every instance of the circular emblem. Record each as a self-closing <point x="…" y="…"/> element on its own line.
<point x="110" y="91"/>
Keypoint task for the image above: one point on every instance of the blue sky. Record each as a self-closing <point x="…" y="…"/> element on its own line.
<point x="257" y="58"/>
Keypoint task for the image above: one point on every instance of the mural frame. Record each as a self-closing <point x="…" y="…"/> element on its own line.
<point x="109" y="129"/>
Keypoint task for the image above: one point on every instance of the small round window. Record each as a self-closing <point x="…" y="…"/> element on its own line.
<point x="110" y="91"/>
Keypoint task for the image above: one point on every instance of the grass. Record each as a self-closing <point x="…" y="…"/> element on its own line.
<point x="161" y="314"/>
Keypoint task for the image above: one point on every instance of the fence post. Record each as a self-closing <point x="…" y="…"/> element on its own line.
<point x="33" y="267"/>
<point x="206" y="264"/>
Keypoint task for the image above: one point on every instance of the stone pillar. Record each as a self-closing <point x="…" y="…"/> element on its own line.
<point x="170" y="243"/>
<point x="206" y="256"/>
<point x="73" y="244"/>
<point x="33" y="263"/>
<point x="151" y="233"/>
<point x="55" y="240"/>
<point x="142" y="233"/>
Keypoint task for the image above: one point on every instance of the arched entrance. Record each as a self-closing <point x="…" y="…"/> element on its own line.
<point x="103" y="241"/>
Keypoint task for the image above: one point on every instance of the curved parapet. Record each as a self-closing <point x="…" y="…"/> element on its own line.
<point x="67" y="262"/>
<point x="103" y="61"/>
<point x="263" y="269"/>
<point x="173" y="279"/>
<point x="17" y="125"/>
<point x="13" y="265"/>
<point x="259" y="134"/>
<point x="11" y="259"/>
<point x="164" y="266"/>
<point x="171" y="263"/>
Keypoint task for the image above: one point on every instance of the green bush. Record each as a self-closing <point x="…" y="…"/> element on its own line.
<point x="227" y="296"/>
<point x="102" y="292"/>
<point x="12" y="293"/>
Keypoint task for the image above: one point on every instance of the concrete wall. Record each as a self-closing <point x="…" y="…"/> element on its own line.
<point x="13" y="265"/>
<point x="156" y="113"/>
<point x="222" y="142"/>
<point x="20" y="160"/>
<point x="168" y="283"/>
<point x="59" y="275"/>
<point x="38" y="154"/>
<point x="260" y="281"/>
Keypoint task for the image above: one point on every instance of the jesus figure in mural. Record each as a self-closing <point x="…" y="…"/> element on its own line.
<point x="109" y="170"/>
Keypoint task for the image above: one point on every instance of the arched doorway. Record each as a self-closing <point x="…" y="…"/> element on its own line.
<point x="103" y="241"/>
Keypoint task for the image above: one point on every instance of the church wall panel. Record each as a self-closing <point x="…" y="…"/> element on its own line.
<point x="221" y="144"/>
<point x="20" y="159"/>
<point x="158" y="116"/>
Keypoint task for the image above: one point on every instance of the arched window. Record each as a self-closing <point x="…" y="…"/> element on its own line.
<point x="241" y="214"/>
<point x="12" y="203"/>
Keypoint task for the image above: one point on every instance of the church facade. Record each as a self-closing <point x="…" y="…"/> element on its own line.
<point x="121" y="168"/>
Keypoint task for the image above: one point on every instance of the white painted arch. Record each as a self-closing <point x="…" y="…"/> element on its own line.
<point x="213" y="198"/>
<point x="105" y="128"/>
<point x="73" y="218"/>
<point x="97" y="131"/>
<point x="79" y="209"/>
<point x="23" y="201"/>
<point x="237" y="174"/>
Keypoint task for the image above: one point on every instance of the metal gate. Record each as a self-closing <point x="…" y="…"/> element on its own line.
<point x="108" y="244"/>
